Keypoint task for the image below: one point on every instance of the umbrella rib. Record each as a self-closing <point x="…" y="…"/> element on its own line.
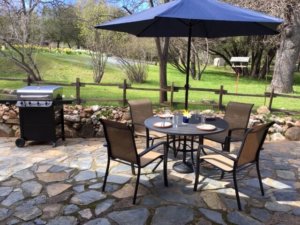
<point x="146" y="28"/>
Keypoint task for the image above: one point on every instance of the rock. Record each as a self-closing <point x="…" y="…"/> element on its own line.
<point x="57" y="188"/>
<point x="4" y="191"/>
<point x="99" y="221"/>
<point x="293" y="133"/>
<point x="52" y="177"/>
<point x="50" y="211"/>
<point x="277" y="137"/>
<point x="213" y="200"/>
<point x="79" y="188"/>
<point x="263" y="110"/>
<point x="87" y="131"/>
<point x="69" y="209"/>
<point x="4" y="213"/>
<point x="13" y="198"/>
<point x="169" y="215"/>
<point x="24" y="175"/>
<point x="85" y="175"/>
<point x="130" y="217"/>
<point x="285" y="174"/>
<point x="274" y="206"/>
<point x="72" y="118"/>
<point x="261" y="214"/>
<point x="297" y="123"/>
<point x="240" y="218"/>
<point x="277" y="128"/>
<point x="85" y="214"/>
<point x="87" y="198"/>
<point x="95" y="108"/>
<point x="27" y="213"/>
<point x="31" y="188"/>
<point x="213" y="215"/>
<point x="5" y="130"/>
<point x="65" y="220"/>
<point x="103" y="206"/>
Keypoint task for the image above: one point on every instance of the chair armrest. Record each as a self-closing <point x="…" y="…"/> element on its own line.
<point x="236" y="129"/>
<point x="152" y="147"/>
<point x="217" y="151"/>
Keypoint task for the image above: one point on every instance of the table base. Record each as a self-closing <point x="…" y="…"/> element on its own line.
<point x="183" y="167"/>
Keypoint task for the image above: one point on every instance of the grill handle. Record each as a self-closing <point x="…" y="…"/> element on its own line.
<point x="31" y="97"/>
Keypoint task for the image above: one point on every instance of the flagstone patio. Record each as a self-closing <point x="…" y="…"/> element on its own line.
<point x="44" y="185"/>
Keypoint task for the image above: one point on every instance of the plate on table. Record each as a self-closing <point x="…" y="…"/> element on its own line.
<point x="163" y="116"/>
<point x="162" y="124"/>
<point x="206" y="127"/>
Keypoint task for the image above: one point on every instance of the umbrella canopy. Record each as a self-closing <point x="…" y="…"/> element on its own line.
<point x="195" y="18"/>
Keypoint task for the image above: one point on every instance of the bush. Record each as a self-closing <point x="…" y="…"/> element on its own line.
<point x="135" y="70"/>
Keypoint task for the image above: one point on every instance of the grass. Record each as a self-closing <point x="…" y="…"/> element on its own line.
<point x="65" y="68"/>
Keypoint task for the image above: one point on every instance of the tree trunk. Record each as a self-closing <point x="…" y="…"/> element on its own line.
<point x="162" y="45"/>
<point x="287" y="54"/>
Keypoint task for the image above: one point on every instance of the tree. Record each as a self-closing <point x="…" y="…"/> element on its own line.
<point x="288" y="52"/>
<point x="19" y="33"/>
<point x="289" y="43"/>
<point x="60" y="25"/>
<point x="99" y="42"/>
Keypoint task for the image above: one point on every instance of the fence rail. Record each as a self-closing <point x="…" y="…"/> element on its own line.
<point x="221" y="92"/>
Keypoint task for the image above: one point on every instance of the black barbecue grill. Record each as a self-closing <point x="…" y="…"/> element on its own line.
<point x="41" y="114"/>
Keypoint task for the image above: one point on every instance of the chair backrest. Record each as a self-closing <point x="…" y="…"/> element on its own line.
<point x="120" y="141"/>
<point x="252" y="144"/>
<point x="140" y="110"/>
<point x="237" y="115"/>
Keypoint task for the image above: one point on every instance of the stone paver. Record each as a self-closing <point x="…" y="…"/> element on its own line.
<point x="63" y="185"/>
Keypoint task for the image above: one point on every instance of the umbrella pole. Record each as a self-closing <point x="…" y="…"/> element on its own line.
<point x="186" y="106"/>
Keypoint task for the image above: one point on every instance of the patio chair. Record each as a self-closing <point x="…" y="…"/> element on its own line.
<point x="237" y="116"/>
<point x="247" y="155"/>
<point x="140" y="110"/>
<point x="121" y="147"/>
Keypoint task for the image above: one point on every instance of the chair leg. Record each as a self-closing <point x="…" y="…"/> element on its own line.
<point x="222" y="175"/>
<point x="106" y="174"/>
<point x="197" y="171"/>
<point x="259" y="179"/>
<point x="165" y="159"/>
<point x="192" y="149"/>
<point x="136" y="185"/>
<point x="132" y="169"/>
<point x="236" y="190"/>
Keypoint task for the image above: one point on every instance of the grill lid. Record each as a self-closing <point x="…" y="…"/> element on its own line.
<point x="50" y="92"/>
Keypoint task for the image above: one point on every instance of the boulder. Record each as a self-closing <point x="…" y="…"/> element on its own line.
<point x="277" y="137"/>
<point x="5" y="131"/>
<point x="87" y="131"/>
<point x="297" y="123"/>
<point x="293" y="134"/>
<point x="263" y="110"/>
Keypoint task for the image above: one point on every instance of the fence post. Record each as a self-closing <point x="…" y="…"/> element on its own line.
<point x="124" y="92"/>
<point x="172" y="95"/>
<point x="221" y="97"/>
<point x="78" y="100"/>
<point x="28" y="81"/>
<point x="271" y="99"/>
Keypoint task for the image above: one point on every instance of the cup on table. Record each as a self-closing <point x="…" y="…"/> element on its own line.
<point x="167" y="114"/>
<point x="176" y="121"/>
<point x="202" y="119"/>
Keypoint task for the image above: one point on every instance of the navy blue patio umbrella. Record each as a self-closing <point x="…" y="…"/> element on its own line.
<point x="195" y="18"/>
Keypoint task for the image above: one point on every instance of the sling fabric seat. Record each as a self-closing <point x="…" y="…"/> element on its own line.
<point x="121" y="147"/>
<point x="237" y="116"/>
<point x="247" y="155"/>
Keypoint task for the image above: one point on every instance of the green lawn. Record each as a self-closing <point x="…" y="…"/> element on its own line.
<point x="65" y="68"/>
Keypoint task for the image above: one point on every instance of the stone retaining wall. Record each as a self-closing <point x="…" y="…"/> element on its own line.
<point x="84" y="121"/>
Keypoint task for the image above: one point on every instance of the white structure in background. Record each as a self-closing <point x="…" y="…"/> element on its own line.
<point x="240" y="63"/>
<point x="219" y="62"/>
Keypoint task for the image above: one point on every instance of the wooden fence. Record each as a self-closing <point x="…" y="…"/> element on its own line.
<point x="125" y="87"/>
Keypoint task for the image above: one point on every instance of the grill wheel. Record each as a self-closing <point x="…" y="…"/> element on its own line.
<point x="20" y="142"/>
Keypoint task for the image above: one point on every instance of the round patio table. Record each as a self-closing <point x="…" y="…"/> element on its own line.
<point x="186" y="130"/>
